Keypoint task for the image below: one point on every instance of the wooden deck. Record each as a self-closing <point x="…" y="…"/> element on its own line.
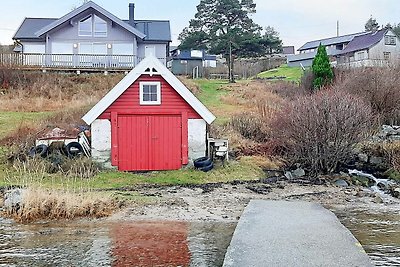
<point x="70" y="62"/>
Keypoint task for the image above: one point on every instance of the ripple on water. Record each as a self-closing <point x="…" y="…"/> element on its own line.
<point x="378" y="232"/>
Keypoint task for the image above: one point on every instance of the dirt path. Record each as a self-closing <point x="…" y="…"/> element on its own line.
<point x="226" y="202"/>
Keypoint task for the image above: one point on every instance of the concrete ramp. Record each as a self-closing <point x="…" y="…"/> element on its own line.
<point x="281" y="233"/>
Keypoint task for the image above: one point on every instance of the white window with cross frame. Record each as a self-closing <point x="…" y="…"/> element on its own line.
<point x="150" y="93"/>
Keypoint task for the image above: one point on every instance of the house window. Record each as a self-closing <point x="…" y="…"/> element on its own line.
<point x="92" y="26"/>
<point x="85" y="27"/>
<point x="150" y="93"/>
<point x="100" y="27"/>
<point x="386" y="56"/>
<point x="360" y="55"/>
<point x="390" y="40"/>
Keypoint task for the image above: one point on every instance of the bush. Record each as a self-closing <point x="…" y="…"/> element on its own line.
<point x="250" y="126"/>
<point x="377" y="86"/>
<point x="320" y="130"/>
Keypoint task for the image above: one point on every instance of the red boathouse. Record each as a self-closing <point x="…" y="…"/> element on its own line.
<point x="148" y="121"/>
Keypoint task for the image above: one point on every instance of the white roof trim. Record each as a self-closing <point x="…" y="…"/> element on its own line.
<point x="84" y="7"/>
<point x="149" y="62"/>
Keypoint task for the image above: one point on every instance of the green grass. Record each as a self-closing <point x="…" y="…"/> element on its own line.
<point x="211" y="92"/>
<point x="242" y="170"/>
<point x="292" y="74"/>
<point x="210" y="95"/>
<point x="394" y="175"/>
<point x="10" y="121"/>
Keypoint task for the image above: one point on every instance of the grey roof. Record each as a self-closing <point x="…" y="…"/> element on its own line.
<point x="364" y="41"/>
<point x="301" y="56"/>
<point x="155" y="30"/>
<point x="81" y="9"/>
<point x="330" y="41"/>
<point x="31" y="25"/>
<point x="151" y="30"/>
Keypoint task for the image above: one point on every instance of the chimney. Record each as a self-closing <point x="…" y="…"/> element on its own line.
<point x="132" y="14"/>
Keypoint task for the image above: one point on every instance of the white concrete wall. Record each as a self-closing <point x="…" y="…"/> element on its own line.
<point x="101" y="142"/>
<point x="197" y="129"/>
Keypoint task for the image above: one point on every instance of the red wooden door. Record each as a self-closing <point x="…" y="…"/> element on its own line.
<point x="149" y="142"/>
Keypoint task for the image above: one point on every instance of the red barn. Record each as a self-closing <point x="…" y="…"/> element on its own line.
<point x="148" y="121"/>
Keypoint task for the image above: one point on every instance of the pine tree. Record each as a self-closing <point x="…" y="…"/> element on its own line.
<point x="321" y="68"/>
<point x="224" y="27"/>
<point x="371" y="25"/>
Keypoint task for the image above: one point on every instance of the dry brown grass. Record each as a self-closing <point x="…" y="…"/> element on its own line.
<point x="190" y="84"/>
<point x="254" y="96"/>
<point x="392" y="151"/>
<point x="36" y="91"/>
<point x="22" y="139"/>
<point x="256" y="105"/>
<point x="389" y="150"/>
<point x="39" y="203"/>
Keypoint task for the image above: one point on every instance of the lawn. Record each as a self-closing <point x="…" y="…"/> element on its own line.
<point x="292" y="74"/>
<point x="211" y="92"/>
<point x="245" y="169"/>
<point x="10" y="121"/>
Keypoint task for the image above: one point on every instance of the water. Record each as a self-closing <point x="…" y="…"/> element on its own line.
<point x="100" y="243"/>
<point x="378" y="232"/>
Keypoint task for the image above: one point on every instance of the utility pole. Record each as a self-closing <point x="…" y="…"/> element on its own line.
<point x="337" y="28"/>
<point x="231" y="80"/>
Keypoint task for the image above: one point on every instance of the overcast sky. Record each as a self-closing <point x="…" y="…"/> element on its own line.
<point x="297" y="21"/>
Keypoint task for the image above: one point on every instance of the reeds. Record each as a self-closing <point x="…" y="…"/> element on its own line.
<point x="49" y="204"/>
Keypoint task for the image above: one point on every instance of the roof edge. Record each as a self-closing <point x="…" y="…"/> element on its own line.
<point x="84" y="7"/>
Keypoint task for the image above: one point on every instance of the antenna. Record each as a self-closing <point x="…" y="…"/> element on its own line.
<point x="337" y="28"/>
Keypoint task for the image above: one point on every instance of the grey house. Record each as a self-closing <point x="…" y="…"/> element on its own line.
<point x="378" y="48"/>
<point x="307" y="52"/>
<point x="90" y="37"/>
<point x="190" y="62"/>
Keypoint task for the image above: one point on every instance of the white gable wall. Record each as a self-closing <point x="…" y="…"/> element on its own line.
<point x="376" y="52"/>
<point x="68" y="34"/>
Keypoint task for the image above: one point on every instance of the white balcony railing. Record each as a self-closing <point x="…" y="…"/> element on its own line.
<point x="68" y="61"/>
